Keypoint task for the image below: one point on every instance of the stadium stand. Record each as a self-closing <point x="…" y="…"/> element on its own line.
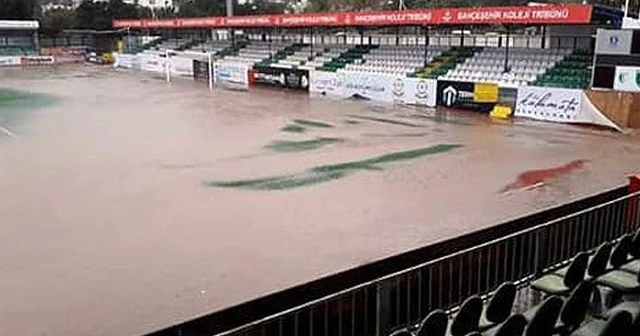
<point x="14" y="50"/>
<point x="260" y="52"/>
<point x="397" y="60"/>
<point x="565" y="68"/>
<point x="311" y="57"/>
<point x="574" y="71"/>
<point x="445" y="62"/>
<point x="523" y="67"/>
<point x="214" y="47"/>
<point x="571" y="308"/>
<point x="174" y="44"/>
<point x="16" y="46"/>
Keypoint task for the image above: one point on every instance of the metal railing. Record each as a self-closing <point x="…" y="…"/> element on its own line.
<point x="401" y="299"/>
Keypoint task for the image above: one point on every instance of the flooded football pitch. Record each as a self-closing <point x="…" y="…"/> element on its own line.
<point x="129" y="204"/>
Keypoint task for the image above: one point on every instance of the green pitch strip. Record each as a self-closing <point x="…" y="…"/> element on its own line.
<point x="331" y="172"/>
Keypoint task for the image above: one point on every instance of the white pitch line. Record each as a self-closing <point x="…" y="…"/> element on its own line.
<point x="7" y="131"/>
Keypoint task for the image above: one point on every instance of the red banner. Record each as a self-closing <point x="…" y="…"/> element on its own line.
<point x="532" y="15"/>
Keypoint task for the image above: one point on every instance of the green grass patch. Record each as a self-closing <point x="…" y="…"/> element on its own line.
<point x="298" y="146"/>
<point x="312" y="123"/>
<point x="384" y="120"/>
<point x="18" y="106"/>
<point x="331" y="172"/>
<point x="280" y="182"/>
<point x="293" y="129"/>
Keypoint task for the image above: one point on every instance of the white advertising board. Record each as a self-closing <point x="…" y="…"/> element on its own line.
<point x="627" y="78"/>
<point x="614" y="41"/>
<point x="37" y="60"/>
<point x="558" y="105"/>
<point x="127" y="61"/>
<point x="181" y="66"/>
<point x="231" y="75"/>
<point x="375" y="87"/>
<point x="552" y="104"/>
<point x="419" y="91"/>
<point x="152" y="63"/>
<point x="10" y="61"/>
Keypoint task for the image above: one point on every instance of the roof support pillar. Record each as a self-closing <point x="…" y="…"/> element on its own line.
<point x="506" y="53"/>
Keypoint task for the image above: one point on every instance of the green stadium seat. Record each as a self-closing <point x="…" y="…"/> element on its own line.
<point x="632" y="307"/>
<point x="542" y="318"/>
<point x="499" y="307"/>
<point x="513" y="326"/>
<point x="557" y="285"/>
<point x="574" y="310"/>
<point x="435" y="324"/>
<point x="618" y="325"/>
<point x="468" y="317"/>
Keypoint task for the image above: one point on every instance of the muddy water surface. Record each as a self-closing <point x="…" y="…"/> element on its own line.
<point x="129" y="204"/>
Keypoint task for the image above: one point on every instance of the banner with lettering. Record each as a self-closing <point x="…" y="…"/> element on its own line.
<point x="548" y="14"/>
<point x="558" y="105"/>
<point x="375" y="87"/>
<point x="233" y="76"/>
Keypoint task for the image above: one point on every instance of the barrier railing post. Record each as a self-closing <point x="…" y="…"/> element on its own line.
<point x="383" y="299"/>
<point x="634" y="186"/>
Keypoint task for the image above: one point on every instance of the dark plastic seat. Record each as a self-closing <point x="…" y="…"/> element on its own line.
<point x="542" y="319"/>
<point x="554" y="284"/>
<point x="401" y="332"/>
<point x="618" y="325"/>
<point x="468" y="318"/>
<point x="620" y="253"/>
<point x="598" y="263"/>
<point x="575" y="308"/>
<point x="622" y="282"/>
<point x="632" y="307"/>
<point x="499" y="307"/>
<point x="513" y="326"/>
<point x="435" y="324"/>
<point x="634" y="250"/>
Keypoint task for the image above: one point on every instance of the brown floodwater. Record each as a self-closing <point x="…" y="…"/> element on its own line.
<point x="129" y="204"/>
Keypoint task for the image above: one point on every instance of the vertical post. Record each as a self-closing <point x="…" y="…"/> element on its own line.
<point x="361" y="36"/>
<point x="311" y="48"/>
<point x="167" y="65"/>
<point x="544" y="37"/>
<point x="626" y="8"/>
<point x="397" y="35"/>
<point x="383" y="312"/>
<point x="506" y="52"/>
<point x="210" y="72"/>
<point x="36" y="42"/>
<point x="634" y="187"/>
<point x="229" y="5"/>
<point x="426" y="45"/>
<point x="270" y="41"/>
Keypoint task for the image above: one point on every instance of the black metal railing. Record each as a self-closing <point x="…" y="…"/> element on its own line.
<point x="401" y="299"/>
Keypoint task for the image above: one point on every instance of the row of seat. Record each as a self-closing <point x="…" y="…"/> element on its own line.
<point x="570" y="309"/>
